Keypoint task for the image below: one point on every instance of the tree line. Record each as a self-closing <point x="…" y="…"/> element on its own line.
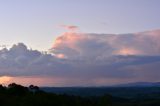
<point x="18" y="95"/>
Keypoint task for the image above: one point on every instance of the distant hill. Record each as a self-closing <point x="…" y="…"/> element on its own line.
<point x="121" y="91"/>
<point x="140" y="84"/>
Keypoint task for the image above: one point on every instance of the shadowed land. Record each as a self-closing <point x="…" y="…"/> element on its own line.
<point x="18" y="95"/>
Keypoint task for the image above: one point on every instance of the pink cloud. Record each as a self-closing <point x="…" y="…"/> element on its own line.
<point x="71" y="28"/>
<point x="70" y="41"/>
<point x="126" y="51"/>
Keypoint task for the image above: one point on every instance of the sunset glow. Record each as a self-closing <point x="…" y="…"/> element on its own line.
<point x="61" y="56"/>
<point x="127" y="51"/>
<point x="5" y="79"/>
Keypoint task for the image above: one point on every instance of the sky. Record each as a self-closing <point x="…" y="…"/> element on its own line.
<point x="37" y="22"/>
<point x="87" y="42"/>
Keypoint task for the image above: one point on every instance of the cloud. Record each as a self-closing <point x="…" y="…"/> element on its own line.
<point x="3" y="46"/>
<point x="71" y="28"/>
<point x="86" y="59"/>
<point x="79" y="45"/>
<point x="94" y="45"/>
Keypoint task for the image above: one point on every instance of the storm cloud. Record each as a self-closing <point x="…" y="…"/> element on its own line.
<point x="88" y="59"/>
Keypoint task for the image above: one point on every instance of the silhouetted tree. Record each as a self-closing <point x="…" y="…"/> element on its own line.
<point x="2" y="88"/>
<point x="34" y="88"/>
<point x="15" y="89"/>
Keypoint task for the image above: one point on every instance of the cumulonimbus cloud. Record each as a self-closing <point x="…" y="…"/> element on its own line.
<point x="88" y="59"/>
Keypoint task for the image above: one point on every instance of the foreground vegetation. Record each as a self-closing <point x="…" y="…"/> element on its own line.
<point x="17" y="95"/>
